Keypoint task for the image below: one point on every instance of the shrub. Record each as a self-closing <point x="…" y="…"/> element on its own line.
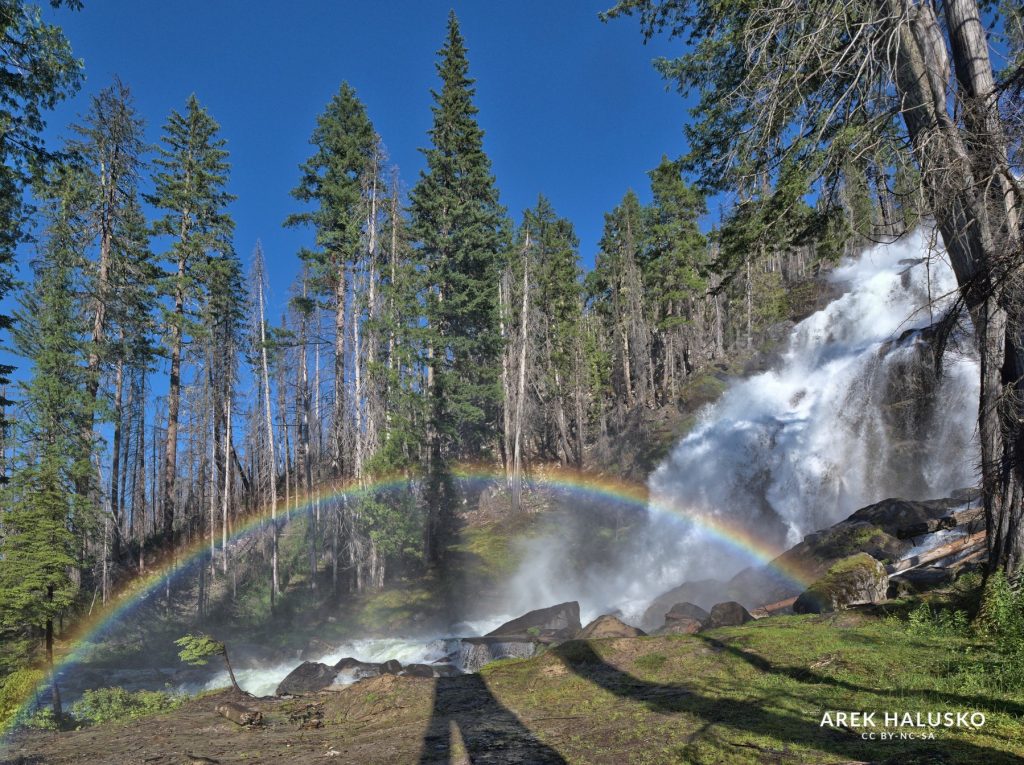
<point x="111" y="704"/>
<point x="14" y="690"/>
<point x="1001" y="615"/>
<point x="938" y="622"/>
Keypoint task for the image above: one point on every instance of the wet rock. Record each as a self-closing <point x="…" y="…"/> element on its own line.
<point x="918" y="580"/>
<point x="684" y="610"/>
<point x="391" y="667"/>
<point x="856" y="580"/>
<point x="560" y="622"/>
<point x="608" y="626"/>
<point x="892" y="515"/>
<point x="728" y="614"/>
<point x="349" y="663"/>
<point x="418" y="670"/>
<point x="308" y="677"/>
<point x="476" y="652"/>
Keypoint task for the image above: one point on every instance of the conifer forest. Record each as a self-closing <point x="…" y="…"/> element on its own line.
<point x="450" y="412"/>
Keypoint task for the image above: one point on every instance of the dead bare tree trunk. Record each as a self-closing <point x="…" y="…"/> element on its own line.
<point x="524" y="339"/>
<point x="275" y="590"/>
<point x="971" y="192"/>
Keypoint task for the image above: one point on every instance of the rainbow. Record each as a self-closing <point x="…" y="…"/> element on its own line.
<point x="579" y="484"/>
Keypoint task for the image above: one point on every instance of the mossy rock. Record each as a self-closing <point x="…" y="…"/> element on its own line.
<point x="856" y="580"/>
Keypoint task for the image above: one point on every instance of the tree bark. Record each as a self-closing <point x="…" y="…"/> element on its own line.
<point x="963" y="177"/>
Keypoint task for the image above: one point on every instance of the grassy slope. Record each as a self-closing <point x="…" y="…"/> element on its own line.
<point x="748" y="694"/>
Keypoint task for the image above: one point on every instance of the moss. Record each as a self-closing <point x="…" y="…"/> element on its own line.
<point x="845" y="581"/>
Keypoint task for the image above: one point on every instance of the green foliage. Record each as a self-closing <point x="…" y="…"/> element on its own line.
<point x="929" y="621"/>
<point x="15" y="688"/>
<point x="393" y="522"/>
<point x="43" y="504"/>
<point x="332" y="182"/>
<point x="38" y="71"/>
<point x="189" y="189"/>
<point x="103" y="705"/>
<point x="462" y="232"/>
<point x="1001" y="614"/>
<point x="196" y="649"/>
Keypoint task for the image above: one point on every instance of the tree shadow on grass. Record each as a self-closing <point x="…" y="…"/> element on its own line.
<point x="489" y="731"/>
<point x="728" y="723"/>
<point x="811" y="677"/>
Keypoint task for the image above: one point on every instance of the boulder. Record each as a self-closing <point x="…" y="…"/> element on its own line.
<point x="703" y="592"/>
<point x="856" y="580"/>
<point x="687" y="611"/>
<point x="560" y="622"/>
<point x="308" y="677"/>
<point x="476" y="652"/>
<point x="391" y="667"/>
<point x="918" y="580"/>
<point x="418" y="670"/>
<point x="680" y="627"/>
<point x="349" y="663"/>
<point x="608" y="626"/>
<point x="728" y="614"/>
<point x="894" y="514"/>
<point x="350" y="670"/>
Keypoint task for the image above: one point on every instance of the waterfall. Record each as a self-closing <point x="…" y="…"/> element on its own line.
<point x="851" y="413"/>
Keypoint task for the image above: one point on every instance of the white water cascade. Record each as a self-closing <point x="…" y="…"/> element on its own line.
<point x="851" y="414"/>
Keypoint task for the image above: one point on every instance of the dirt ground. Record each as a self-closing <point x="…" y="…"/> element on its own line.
<point x="389" y="720"/>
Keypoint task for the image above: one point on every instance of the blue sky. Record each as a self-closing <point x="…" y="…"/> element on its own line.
<point x="571" y="107"/>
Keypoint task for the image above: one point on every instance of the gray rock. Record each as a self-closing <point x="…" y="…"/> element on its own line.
<point x="418" y="670"/>
<point x="856" y="580"/>
<point x="729" y="614"/>
<point x="560" y="622"/>
<point x="308" y="677"/>
<point x="608" y="626"/>
<point x="918" y="580"/>
<point x="680" y="627"/>
<point x="476" y="652"/>
<point x="685" y="611"/>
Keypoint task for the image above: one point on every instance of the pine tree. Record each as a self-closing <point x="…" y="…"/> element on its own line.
<point x="332" y="181"/>
<point x="189" y="187"/>
<point x="674" y="274"/>
<point x="43" y="512"/>
<point x="461" y="232"/>
<point x="616" y="290"/>
<point x="37" y="71"/>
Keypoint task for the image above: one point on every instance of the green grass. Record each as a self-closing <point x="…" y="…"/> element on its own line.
<point x="757" y="693"/>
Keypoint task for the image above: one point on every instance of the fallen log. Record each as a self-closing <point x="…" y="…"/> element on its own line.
<point x="963" y="518"/>
<point x="767" y="610"/>
<point x="240" y="714"/>
<point x="966" y="544"/>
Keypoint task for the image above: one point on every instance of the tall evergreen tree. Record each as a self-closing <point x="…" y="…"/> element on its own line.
<point x="673" y="270"/>
<point x="37" y="71"/>
<point x="616" y="289"/>
<point x="190" y="190"/>
<point x="332" y="182"/>
<point x="44" y="513"/>
<point x="461" y="229"/>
